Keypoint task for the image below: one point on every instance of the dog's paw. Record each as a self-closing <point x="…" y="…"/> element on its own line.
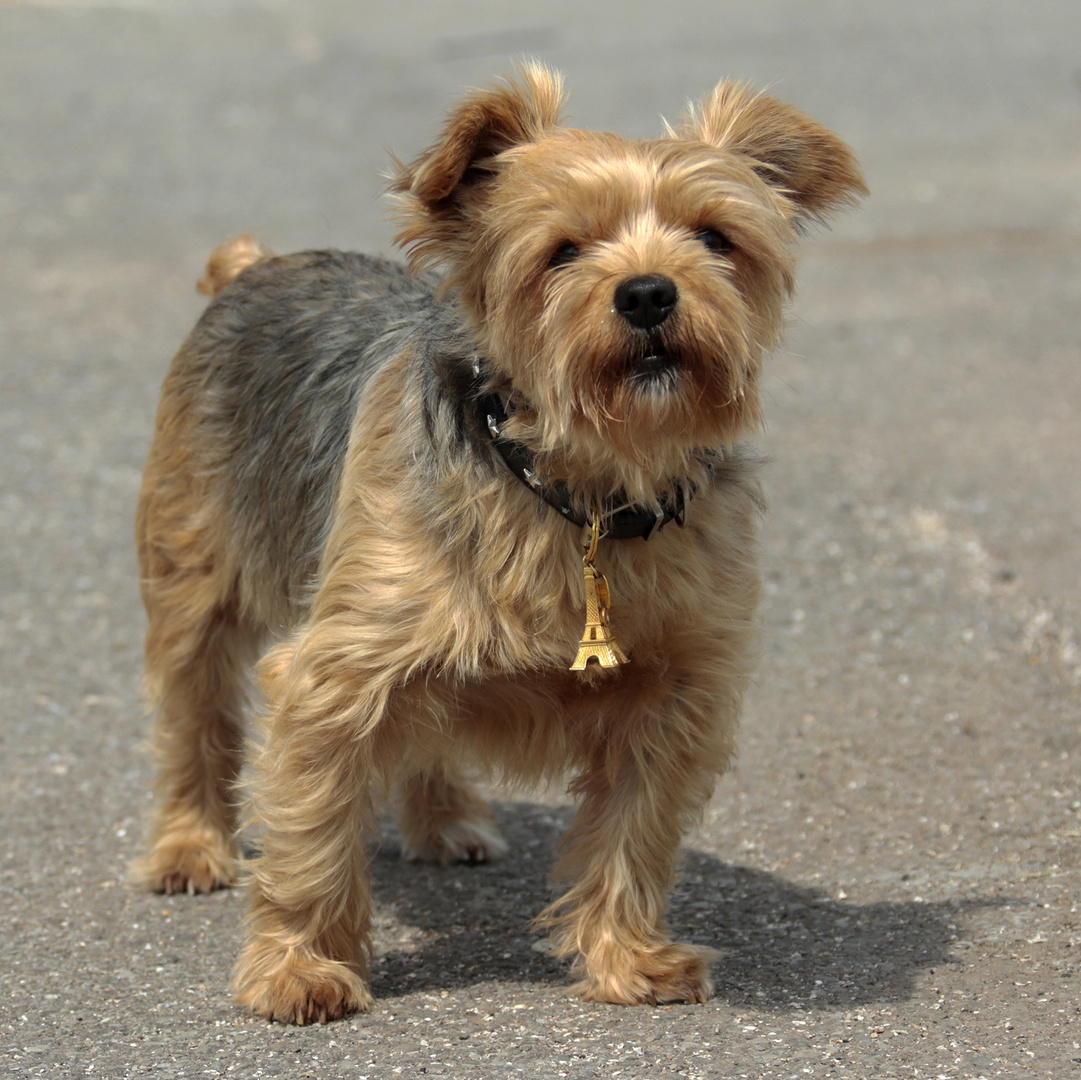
<point x="192" y="863"/>
<point x="662" y="975"/>
<point x="458" y="841"/>
<point x="300" y="990"/>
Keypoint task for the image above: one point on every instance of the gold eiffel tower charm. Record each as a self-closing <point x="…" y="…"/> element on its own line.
<point x="597" y="642"/>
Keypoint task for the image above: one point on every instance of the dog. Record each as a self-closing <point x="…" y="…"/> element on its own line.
<point x="406" y="490"/>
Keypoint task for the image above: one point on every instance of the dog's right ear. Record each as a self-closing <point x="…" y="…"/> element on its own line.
<point x="487" y="123"/>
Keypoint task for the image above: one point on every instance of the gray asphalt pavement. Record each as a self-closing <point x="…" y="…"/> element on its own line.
<point x="892" y="872"/>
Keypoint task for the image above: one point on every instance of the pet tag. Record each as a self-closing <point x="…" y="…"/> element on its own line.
<point x="597" y="642"/>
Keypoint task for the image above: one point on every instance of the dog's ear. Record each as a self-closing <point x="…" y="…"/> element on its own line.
<point x="517" y="111"/>
<point x="800" y="158"/>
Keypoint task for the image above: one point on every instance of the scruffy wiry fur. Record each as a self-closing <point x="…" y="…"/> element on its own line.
<point x="321" y="484"/>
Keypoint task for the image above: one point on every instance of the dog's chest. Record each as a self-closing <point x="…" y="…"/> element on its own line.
<point x="530" y="604"/>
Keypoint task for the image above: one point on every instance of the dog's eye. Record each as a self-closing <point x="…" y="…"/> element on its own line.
<point x="714" y="241"/>
<point x="564" y="254"/>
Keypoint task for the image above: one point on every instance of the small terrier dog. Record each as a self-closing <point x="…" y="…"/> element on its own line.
<point x="387" y="476"/>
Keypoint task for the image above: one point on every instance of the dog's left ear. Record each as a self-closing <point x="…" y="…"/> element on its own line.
<point x="804" y="161"/>
<point x="490" y="121"/>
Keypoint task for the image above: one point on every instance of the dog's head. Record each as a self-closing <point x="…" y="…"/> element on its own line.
<point x="624" y="290"/>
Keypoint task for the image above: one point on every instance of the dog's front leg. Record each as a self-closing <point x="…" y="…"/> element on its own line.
<point x="645" y="782"/>
<point x="306" y="954"/>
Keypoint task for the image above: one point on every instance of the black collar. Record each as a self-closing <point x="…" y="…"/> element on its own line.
<point x="618" y="521"/>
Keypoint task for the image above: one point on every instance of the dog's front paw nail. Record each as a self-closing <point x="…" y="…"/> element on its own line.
<point x="302" y="991"/>
<point x="657" y="976"/>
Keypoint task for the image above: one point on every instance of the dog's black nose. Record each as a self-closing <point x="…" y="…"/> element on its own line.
<point x="646" y="302"/>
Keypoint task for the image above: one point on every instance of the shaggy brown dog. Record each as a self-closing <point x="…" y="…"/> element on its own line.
<point x="338" y="467"/>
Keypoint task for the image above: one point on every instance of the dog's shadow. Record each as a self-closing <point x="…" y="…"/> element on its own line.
<point x="781" y="944"/>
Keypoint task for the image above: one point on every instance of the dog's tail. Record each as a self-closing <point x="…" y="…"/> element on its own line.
<point x="228" y="260"/>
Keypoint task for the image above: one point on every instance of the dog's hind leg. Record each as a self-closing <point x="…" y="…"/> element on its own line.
<point x="198" y="650"/>
<point x="198" y="742"/>
<point x="443" y="819"/>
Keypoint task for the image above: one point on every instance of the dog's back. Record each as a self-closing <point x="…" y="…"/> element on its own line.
<point x="265" y="388"/>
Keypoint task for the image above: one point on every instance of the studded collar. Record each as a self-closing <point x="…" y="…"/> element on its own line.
<point x="619" y="521"/>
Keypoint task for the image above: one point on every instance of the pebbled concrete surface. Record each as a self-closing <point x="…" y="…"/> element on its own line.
<point x="891" y="873"/>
